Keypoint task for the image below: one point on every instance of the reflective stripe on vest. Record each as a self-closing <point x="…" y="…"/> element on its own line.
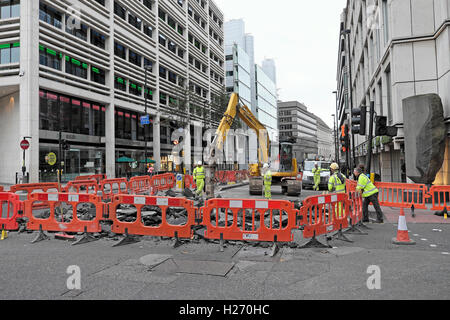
<point x="366" y="185"/>
<point x="338" y="185"/>
<point x="268" y="177"/>
<point x="199" y="173"/>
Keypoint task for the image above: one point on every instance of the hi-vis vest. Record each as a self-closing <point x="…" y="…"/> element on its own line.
<point x="268" y="177"/>
<point x="316" y="172"/>
<point x="199" y="173"/>
<point x="336" y="183"/>
<point x="366" y="185"/>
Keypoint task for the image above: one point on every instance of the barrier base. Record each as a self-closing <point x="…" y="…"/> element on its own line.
<point x="363" y="226"/>
<point x="403" y="243"/>
<point x="85" y="238"/>
<point x="341" y="236"/>
<point x="314" y="243"/>
<point x="41" y="236"/>
<point x="126" y="240"/>
<point x="274" y="250"/>
<point x="355" y="230"/>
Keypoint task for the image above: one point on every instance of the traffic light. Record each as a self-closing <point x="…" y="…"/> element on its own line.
<point x="381" y="128"/>
<point x="344" y="138"/>
<point x="359" y="116"/>
<point x="65" y="145"/>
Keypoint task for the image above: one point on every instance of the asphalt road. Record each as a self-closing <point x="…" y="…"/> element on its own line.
<point x="152" y="269"/>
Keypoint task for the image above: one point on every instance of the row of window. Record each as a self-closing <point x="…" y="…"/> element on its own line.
<point x="134" y="88"/>
<point x="198" y="64"/>
<point x="76" y="28"/>
<point x="72" y="115"/>
<point x="171" y="76"/>
<point x="197" y="18"/>
<point x="9" y="9"/>
<point x="128" y="126"/>
<point x="10" y="53"/>
<point x="50" y="58"/>
<point x="171" y="46"/>
<point x="197" y="43"/>
<point x="133" y="57"/>
<point x="133" y="19"/>
<point x="170" y="21"/>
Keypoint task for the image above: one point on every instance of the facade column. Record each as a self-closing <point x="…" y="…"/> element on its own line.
<point x="198" y="143"/>
<point x="187" y="148"/>
<point x="110" y="130"/>
<point x="29" y="87"/>
<point x="157" y="141"/>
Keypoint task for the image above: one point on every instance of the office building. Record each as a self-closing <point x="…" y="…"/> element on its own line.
<point x="80" y="69"/>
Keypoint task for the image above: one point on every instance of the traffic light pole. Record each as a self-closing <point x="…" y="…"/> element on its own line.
<point x="369" y="146"/>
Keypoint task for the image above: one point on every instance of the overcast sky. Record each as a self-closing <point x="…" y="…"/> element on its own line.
<point x="302" y="37"/>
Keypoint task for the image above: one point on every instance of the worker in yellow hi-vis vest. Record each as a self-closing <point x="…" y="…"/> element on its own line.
<point x="316" y="172"/>
<point x="336" y="183"/>
<point x="199" y="177"/>
<point x="267" y="181"/>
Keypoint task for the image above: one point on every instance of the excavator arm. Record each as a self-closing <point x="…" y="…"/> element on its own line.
<point x="250" y="120"/>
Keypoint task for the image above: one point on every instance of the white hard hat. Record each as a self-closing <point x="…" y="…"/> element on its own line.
<point x="316" y="163"/>
<point x="266" y="165"/>
<point x="199" y="163"/>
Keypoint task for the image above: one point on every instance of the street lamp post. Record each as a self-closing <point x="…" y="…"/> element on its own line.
<point x="145" y="131"/>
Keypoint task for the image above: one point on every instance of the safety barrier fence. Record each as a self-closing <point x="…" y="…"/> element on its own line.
<point x="98" y="177"/>
<point x="322" y="215"/>
<point x="111" y="187"/>
<point x="440" y="198"/>
<point x="163" y="182"/>
<point x="223" y="219"/>
<point x="162" y="206"/>
<point x="250" y="220"/>
<point x="81" y="186"/>
<point x="140" y="185"/>
<point x="10" y="211"/>
<point x="402" y="195"/>
<point x="189" y="182"/>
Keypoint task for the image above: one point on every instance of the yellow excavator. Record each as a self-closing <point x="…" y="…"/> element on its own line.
<point x="286" y="171"/>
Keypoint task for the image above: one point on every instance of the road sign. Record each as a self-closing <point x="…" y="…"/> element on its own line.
<point x="145" y="120"/>
<point x="25" y="144"/>
<point x="51" y="158"/>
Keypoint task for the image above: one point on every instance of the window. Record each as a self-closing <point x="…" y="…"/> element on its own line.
<point x="49" y="58"/>
<point x="50" y="15"/>
<point x="9" y="9"/>
<point x="76" y="67"/>
<point x="229" y="57"/>
<point x="181" y="53"/>
<point x="172" y="77"/>
<point x="180" y="30"/>
<point x="135" y="89"/>
<point x="148" y="4"/>
<point x="134" y="21"/>
<point x="98" y="75"/>
<point x="162" y="15"/>
<point x="9" y="53"/>
<point x="172" y="47"/>
<point x="120" y="84"/>
<point x="162" y="40"/>
<point x="98" y="39"/>
<point x="148" y="63"/>
<point x="135" y="58"/>
<point x="171" y="22"/>
<point x="120" y="50"/>
<point x="73" y="29"/>
<point x="163" y="72"/>
<point x="148" y="93"/>
<point x="148" y="30"/>
<point x="389" y="95"/>
<point x="119" y="10"/>
<point x="163" y="99"/>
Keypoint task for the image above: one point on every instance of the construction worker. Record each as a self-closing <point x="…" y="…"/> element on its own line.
<point x="199" y="177"/>
<point x="369" y="193"/>
<point x="267" y="181"/>
<point x="316" y="172"/>
<point x="336" y="183"/>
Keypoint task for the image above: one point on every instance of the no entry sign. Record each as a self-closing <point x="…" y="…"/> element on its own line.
<point x="25" y="144"/>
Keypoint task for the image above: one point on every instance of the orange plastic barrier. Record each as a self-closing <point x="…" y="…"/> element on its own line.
<point x="2" y="189"/>
<point x="189" y="182"/>
<point x="350" y="185"/>
<point x="53" y="202"/>
<point x="10" y="211"/>
<point x="98" y="177"/>
<point x="240" y="219"/>
<point x="402" y="195"/>
<point x="231" y="176"/>
<point x="110" y="187"/>
<point x="221" y="176"/>
<point x="164" y="229"/>
<point x="163" y="182"/>
<point x="440" y="197"/>
<point x="324" y="214"/>
<point x="89" y="186"/>
<point x="140" y="185"/>
<point x="356" y="213"/>
<point x="32" y="187"/>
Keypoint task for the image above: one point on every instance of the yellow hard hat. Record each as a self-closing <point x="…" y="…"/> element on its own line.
<point x="334" y="166"/>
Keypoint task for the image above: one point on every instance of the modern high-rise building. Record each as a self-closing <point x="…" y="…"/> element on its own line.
<point x="295" y="121"/>
<point x="263" y="91"/>
<point x="79" y="68"/>
<point x="389" y="51"/>
<point x="269" y="68"/>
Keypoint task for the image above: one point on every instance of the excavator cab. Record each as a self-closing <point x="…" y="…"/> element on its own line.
<point x="286" y="155"/>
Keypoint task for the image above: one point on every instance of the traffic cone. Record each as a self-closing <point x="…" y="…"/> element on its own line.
<point x="402" y="233"/>
<point x="4" y="235"/>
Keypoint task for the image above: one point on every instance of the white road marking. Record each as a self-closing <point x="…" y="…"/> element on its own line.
<point x="446" y="253"/>
<point x="433" y="245"/>
<point x="424" y="239"/>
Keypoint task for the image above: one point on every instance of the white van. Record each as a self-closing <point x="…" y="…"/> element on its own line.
<point x="308" y="176"/>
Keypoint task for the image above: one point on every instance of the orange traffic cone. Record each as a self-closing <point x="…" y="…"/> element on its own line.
<point x="402" y="233"/>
